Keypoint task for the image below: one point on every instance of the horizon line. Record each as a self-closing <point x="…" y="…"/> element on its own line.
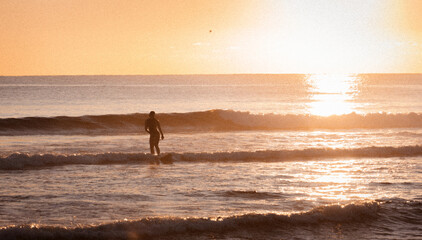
<point x="204" y="74"/>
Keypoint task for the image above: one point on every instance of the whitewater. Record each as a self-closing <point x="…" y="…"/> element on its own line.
<point x="247" y="157"/>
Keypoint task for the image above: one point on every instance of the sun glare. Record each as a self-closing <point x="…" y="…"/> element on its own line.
<point x="332" y="94"/>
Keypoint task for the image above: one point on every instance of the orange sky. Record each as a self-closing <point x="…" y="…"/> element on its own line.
<point x="60" y="37"/>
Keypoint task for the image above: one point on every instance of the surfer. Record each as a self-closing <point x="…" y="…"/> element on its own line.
<point x="152" y="126"/>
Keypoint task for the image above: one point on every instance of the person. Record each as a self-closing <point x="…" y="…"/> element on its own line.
<point x="152" y="126"/>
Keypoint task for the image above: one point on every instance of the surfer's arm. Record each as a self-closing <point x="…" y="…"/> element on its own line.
<point x="159" y="129"/>
<point x="146" y="127"/>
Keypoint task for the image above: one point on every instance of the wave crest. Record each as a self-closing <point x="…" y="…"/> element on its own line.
<point x="212" y="120"/>
<point x="162" y="227"/>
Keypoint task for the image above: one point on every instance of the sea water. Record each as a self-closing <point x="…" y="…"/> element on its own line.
<point x="252" y="157"/>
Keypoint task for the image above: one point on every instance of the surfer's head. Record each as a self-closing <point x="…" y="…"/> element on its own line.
<point x="151" y="114"/>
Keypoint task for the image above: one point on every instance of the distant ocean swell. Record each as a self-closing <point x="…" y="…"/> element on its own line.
<point x="212" y="120"/>
<point x="399" y="213"/>
<point x="18" y="161"/>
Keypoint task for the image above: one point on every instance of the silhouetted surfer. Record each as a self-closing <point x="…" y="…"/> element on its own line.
<point x="152" y="126"/>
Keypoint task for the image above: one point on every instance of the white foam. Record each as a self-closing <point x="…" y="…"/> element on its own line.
<point x="18" y="161"/>
<point x="162" y="227"/>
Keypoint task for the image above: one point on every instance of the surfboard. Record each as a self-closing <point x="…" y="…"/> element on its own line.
<point x="166" y="158"/>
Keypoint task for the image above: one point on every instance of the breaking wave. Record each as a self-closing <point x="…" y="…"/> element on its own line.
<point x="212" y="120"/>
<point x="397" y="213"/>
<point x="19" y="161"/>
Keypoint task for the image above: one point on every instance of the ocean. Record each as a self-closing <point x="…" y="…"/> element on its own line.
<point x="254" y="156"/>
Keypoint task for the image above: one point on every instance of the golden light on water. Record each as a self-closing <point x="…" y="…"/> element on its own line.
<point x="335" y="181"/>
<point x="332" y="94"/>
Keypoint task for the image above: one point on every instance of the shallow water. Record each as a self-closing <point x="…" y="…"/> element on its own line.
<point x="211" y="142"/>
<point x="80" y="195"/>
<point x="96" y="194"/>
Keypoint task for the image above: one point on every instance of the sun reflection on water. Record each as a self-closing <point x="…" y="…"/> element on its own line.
<point x="332" y="94"/>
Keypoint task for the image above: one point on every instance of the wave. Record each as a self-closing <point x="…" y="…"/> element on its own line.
<point x="369" y="214"/>
<point x="20" y="161"/>
<point x="212" y="120"/>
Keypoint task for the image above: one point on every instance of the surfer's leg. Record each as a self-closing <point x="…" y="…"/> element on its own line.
<point x="154" y="139"/>
<point x="152" y="149"/>
<point x="151" y="144"/>
<point x="157" y="149"/>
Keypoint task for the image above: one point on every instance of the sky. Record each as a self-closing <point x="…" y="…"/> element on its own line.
<point x="117" y="37"/>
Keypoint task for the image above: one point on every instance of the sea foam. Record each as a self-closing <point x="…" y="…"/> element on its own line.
<point x="164" y="227"/>
<point x="366" y="216"/>
<point x="19" y="161"/>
